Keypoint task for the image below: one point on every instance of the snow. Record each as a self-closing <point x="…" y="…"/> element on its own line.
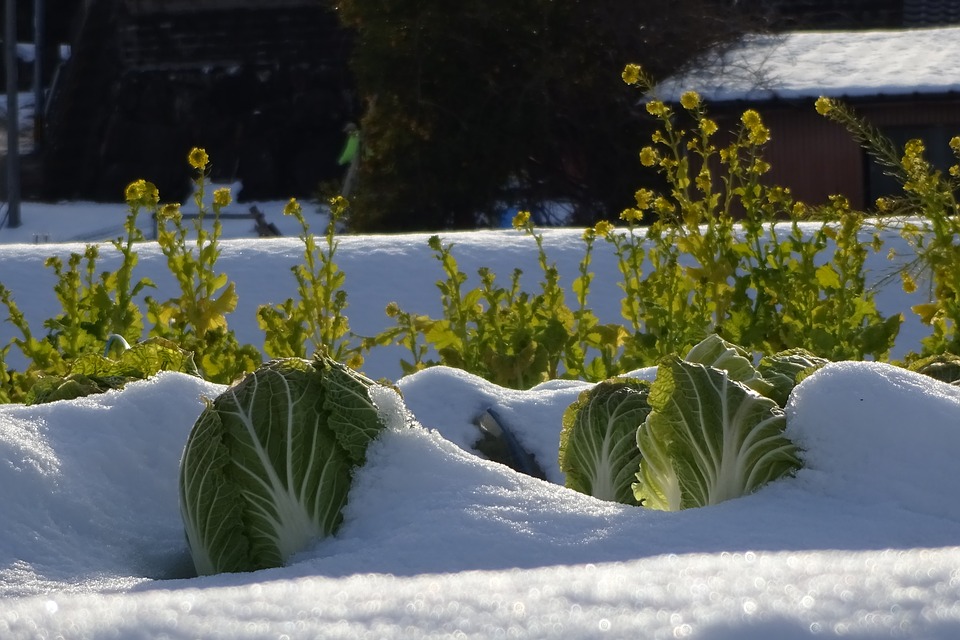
<point x="836" y="64"/>
<point x="437" y="542"/>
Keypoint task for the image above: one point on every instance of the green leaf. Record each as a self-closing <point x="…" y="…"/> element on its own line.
<point x="827" y="277"/>
<point x="54" y="388"/>
<point x="211" y="503"/>
<point x="93" y="373"/>
<point x="352" y="415"/>
<point x="708" y="439"/>
<point x="268" y="465"/>
<point x="784" y="371"/>
<point x="714" y="351"/>
<point x="598" y="442"/>
<point x="944" y="367"/>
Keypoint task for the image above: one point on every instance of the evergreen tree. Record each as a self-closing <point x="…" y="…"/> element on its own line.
<point x="474" y="103"/>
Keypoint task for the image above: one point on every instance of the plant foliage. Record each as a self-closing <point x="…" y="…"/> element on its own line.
<point x="94" y="373"/>
<point x="268" y="464"/>
<point x="598" y="442"/>
<point x="708" y="439"/>
<point x="480" y="102"/>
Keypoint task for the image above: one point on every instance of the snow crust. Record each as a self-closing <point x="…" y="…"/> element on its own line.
<point x="438" y="542"/>
<point x="809" y="64"/>
<point x="864" y="542"/>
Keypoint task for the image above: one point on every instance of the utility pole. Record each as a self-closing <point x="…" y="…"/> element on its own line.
<point x="13" y="123"/>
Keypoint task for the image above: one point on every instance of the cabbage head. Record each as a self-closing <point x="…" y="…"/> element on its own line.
<point x="598" y="442"/>
<point x="268" y="465"/>
<point x="708" y="439"/>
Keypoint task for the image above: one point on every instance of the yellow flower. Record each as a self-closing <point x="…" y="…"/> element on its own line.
<point x="955" y="144"/>
<point x="909" y="285"/>
<point x="644" y="197"/>
<point x="151" y="194"/>
<point x="823" y="105"/>
<point x="918" y="169"/>
<point x="631" y="74"/>
<point x="703" y="180"/>
<point x="663" y="205"/>
<point x="631" y="216"/>
<point x="338" y="205"/>
<point x="198" y="159"/>
<point x="759" y="135"/>
<point x="648" y="157"/>
<point x="134" y="191"/>
<point x="170" y="212"/>
<point x="751" y="119"/>
<point x="392" y="310"/>
<point x="690" y="100"/>
<point x="521" y="220"/>
<point x="222" y="197"/>
<point x="355" y="361"/>
<point x="603" y="228"/>
<point x="142" y="193"/>
<point x="657" y="108"/>
<point x="292" y="207"/>
<point x="589" y="234"/>
<point x="708" y="127"/>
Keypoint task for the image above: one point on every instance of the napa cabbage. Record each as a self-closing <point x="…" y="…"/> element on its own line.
<point x="714" y="351"/>
<point x="598" y="440"/>
<point x="785" y="370"/>
<point x="708" y="438"/>
<point x="92" y="373"/>
<point x="775" y="376"/>
<point x="268" y="465"/>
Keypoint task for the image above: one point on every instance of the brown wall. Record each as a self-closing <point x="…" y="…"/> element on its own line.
<point x="813" y="156"/>
<point x="817" y="158"/>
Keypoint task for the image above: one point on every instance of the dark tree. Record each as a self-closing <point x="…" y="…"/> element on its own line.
<point x="475" y="103"/>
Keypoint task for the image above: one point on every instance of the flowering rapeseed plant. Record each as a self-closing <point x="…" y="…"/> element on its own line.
<point x="631" y="74"/>
<point x="823" y="105"/>
<point x="292" y="208"/>
<point x="141" y="193"/>
<point x="521" y="220"/>
<point x="222" y="198"/>
<point x="198" y="159"/>
<point x="690" y="100"/>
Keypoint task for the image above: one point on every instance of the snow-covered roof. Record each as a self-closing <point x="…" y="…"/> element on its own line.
<point x="830" y="63"/>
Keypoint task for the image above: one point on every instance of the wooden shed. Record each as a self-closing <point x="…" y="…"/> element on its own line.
<point x="904" y="81"/>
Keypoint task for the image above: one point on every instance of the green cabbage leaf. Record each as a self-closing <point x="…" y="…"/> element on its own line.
<point x="785" y="370"/>
<point x="598" y="441"/>
<point x="92" y="373"/>
<point x="708" y="439"/>
<point x="714" y="351"/>
<point x="268" y="465"/>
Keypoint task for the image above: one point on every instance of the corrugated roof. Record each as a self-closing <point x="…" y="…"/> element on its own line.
<point x="830" y="63"/>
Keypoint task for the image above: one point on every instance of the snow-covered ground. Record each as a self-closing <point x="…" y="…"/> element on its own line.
<point x="439" y="543"/>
